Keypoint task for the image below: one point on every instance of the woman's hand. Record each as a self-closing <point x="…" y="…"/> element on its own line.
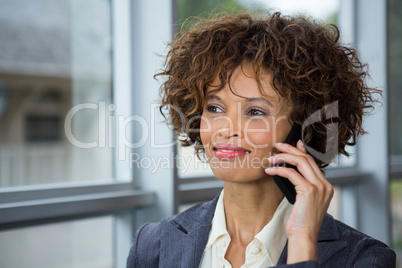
<point x="314" y="193"/>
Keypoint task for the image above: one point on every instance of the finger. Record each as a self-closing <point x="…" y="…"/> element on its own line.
<point x="287" y="148"/>
<point x="305" y="169"/>
<point x="292" y="175"/>
<point x="310" y="158"/>
<point x="284" y="147"/>
<point x="300" y="146"/>
<point x="325" y="189"/>
<point x="301" y="163"/>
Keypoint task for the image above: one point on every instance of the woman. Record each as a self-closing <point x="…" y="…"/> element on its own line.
<point x="236" y="85"/>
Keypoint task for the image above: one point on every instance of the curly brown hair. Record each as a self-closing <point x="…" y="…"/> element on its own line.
<point x="309" y="65"/>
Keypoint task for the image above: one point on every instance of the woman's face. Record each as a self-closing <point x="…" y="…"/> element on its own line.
<point x="238" y="132"/>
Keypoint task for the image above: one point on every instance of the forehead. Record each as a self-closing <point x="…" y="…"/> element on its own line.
<point x="243" y="82"/>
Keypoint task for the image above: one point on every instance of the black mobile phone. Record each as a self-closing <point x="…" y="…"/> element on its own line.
<point x="284" y="184"/>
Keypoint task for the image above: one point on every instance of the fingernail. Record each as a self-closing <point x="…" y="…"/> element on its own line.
<point x="270" y="158"/>
<point x="301" y="143"/>
<point x="278" y="144"/>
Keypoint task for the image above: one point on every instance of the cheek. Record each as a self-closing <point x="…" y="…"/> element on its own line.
<point x="263" y="136"/>
<point x="205" y="130"/>
<point x="261" y="141"/>
<point x="258" y="134"/>
<point x="209" y="129"/>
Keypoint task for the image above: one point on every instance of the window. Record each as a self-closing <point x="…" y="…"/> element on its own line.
<point x="47" y="67"/>
<point x="65" y="82"/>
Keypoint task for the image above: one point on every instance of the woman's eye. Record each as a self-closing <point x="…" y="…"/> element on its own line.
<point x="213" y="109"/>
<point x="255" y="112"/>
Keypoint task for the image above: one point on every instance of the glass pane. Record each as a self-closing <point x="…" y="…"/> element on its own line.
<point x="188" y="8"/>
<point x="394" y="36"/>
<point x="344" y="161"/>
<point x="326" y="11"/>
<point x="396" y="211"/>
<point x="82" y="243"/>
<point x="55" y="91"/>
<point x="188" y="164"/>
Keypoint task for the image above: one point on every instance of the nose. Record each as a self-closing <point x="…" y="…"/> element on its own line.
<point x="231" y="125"/>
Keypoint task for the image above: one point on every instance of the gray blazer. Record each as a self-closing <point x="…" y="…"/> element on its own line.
<point x="179" y="241"/>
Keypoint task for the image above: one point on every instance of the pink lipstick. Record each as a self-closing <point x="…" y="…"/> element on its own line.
<point x="223" y="150"/>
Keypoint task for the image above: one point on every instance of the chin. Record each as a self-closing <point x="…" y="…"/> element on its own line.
<point x="239" y="175"/>
<point x="238" y="168"/>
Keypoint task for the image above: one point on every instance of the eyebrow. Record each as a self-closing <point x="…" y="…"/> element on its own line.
<point x="210" y="97"/>
<point x="259" y="99"/>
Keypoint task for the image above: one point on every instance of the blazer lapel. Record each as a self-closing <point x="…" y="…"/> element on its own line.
<point x="328" y="242"/>
<point x="184" y="236"/>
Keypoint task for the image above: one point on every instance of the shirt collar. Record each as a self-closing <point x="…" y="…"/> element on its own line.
<point x="218" y="227"/>
<point x="273" y="236"/>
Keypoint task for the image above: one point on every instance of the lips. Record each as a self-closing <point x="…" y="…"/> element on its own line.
<point x="223" y="150"/>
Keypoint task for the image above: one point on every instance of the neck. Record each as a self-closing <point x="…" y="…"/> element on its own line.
<point x="249" y="207"/>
